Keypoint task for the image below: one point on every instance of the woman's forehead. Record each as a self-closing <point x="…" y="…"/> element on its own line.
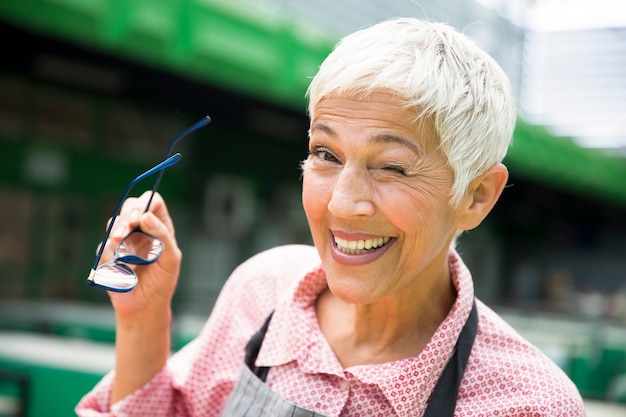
<point x="380" y="113"/>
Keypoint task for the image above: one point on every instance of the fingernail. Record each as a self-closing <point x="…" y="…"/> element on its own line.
<point x="149" y="221"/>
<point x="134" y="215"/>
<point x="119" y="232"/>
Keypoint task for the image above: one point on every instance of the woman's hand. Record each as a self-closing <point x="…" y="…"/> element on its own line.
<point x="157" y="281"/>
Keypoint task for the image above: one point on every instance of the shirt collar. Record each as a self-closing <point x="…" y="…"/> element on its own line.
<point x="294" y="335"/>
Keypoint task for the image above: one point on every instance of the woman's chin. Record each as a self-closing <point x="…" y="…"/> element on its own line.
<point x="352" y="292"/>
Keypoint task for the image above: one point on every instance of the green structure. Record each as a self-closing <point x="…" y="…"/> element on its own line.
<point x="269" y="57"/>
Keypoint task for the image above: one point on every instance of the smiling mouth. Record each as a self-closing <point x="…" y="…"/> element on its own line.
<point x="356" y="247"/>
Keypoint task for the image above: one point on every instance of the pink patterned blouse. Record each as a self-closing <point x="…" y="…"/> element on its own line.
<point x="505" y="375"/>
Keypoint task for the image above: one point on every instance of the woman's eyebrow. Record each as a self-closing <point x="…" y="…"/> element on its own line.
<point x="385" y="138"/>
<point x="381" y="138"/>
<point x="324" y="128"/>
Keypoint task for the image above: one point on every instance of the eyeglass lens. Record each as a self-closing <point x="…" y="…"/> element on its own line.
<point x="137" y="248"/>
<point x="114" y="276"/>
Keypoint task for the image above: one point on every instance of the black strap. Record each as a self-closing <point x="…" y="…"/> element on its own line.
<point x="443" y="399"/>
<point x="254" y="346"/>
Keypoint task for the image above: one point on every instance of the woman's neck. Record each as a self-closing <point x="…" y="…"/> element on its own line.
<point x="392" y="328"/>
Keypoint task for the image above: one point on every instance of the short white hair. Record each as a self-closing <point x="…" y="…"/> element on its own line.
<point x="439" y="72"/>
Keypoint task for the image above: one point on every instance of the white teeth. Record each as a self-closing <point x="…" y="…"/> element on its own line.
<point x="354" y="247"/>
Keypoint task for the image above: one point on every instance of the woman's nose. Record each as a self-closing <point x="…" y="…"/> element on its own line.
<point x="351" y="194"/>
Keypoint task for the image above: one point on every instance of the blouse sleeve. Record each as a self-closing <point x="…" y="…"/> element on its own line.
<point x="198" y="379"/>
<point x="153" y="399"/>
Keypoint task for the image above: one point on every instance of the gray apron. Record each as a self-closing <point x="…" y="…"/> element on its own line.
<point x="251" y="397"/>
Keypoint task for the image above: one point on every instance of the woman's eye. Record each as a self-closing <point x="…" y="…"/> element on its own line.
<point x="395" y="170"/>
<point x="324" y="154"/>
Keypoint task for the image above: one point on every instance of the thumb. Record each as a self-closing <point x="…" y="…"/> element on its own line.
<point x="153" y="226"/>
<point x="149" y="224"/>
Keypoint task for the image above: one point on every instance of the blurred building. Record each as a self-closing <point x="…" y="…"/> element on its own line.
<point x="91" y="93"/>
<point x="573" y="73"/>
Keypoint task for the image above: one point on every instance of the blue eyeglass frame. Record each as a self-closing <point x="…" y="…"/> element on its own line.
<point x="169" y="161"/>
<point x="174" y="159"/>
<point x="199" y="124"/>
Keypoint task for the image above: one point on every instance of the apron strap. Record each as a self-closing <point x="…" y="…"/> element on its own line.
<point x="443" y="399"/>
<point x="254" y="346"/>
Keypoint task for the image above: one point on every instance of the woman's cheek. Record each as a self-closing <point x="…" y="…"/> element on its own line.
<point x="308" y="193"/>
<point x="316" y="190"/>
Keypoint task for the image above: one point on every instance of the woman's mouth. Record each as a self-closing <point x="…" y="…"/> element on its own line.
<point x="360" y="246"/>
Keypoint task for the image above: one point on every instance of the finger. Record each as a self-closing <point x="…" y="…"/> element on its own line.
<point x="151" y="224"/>
<point x="159" y="208"/>
<point x="108" y="252"/>
<point x="113" y="235"/>
<point x="110" y="243"/>
<point x="127" y="219"/>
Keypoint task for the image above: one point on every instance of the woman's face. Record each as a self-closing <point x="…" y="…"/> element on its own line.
<point x="376" y="194"/>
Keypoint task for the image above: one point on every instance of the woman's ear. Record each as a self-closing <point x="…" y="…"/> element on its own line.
<point x="481" y="195"/>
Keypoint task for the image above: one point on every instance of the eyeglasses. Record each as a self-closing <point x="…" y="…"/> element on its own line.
<point x="138" y="248"/>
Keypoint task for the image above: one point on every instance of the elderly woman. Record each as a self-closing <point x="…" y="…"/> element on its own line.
<point x="410" y="121"/>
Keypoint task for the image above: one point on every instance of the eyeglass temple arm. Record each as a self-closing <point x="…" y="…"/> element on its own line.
<point x="200" y="123"/>
<point x="160" y="167"/>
